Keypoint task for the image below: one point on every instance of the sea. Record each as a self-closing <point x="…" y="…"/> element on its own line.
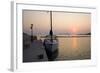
<point x="74" y="47"/>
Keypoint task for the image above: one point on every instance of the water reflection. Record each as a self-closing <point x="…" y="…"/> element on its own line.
<point x="74" y="48"/>
<point x="74" y="43"/>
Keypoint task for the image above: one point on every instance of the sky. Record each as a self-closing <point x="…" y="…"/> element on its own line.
<point x="63" y="22"/>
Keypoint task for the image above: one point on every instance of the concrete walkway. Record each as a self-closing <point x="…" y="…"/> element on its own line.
<point x="35" y="52"/>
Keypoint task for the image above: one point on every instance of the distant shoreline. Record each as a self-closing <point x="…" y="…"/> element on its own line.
<point x="57" y="36"/>
<point x="63" y="36"/>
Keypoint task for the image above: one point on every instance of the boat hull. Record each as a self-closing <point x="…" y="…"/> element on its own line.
<point x="51" y="49"/>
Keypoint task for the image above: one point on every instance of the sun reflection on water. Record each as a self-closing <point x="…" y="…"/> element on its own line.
<point x="74" y="43"/>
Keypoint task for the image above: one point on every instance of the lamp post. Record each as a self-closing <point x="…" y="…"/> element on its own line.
<point x="31" y="32"/>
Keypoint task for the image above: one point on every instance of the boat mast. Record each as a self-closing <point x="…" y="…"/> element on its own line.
<point x="51" y="32"/>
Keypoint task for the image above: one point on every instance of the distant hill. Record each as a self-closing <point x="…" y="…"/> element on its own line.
<point x="88" y="34"/>
<point x="85" y="34"/>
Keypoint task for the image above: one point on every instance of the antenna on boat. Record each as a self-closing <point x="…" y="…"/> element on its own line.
<point x="51" y="32"/>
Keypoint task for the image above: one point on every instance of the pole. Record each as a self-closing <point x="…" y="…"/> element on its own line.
<point x="31" y="32"/>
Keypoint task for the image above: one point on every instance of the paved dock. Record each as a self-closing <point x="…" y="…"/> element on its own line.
<point x="35" y="52"/>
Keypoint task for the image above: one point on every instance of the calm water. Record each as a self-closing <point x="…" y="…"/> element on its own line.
<point x="74" y="48"/>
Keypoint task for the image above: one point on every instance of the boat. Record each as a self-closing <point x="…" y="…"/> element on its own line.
<point x="51" y="43"/>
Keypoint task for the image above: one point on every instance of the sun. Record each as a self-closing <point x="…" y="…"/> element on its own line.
<point x="74" y="30"/>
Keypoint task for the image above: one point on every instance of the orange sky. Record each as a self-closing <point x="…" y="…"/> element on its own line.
<point x="63" y="22"/>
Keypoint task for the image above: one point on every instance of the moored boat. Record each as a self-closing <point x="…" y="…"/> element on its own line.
<point x="51" y="44"/>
